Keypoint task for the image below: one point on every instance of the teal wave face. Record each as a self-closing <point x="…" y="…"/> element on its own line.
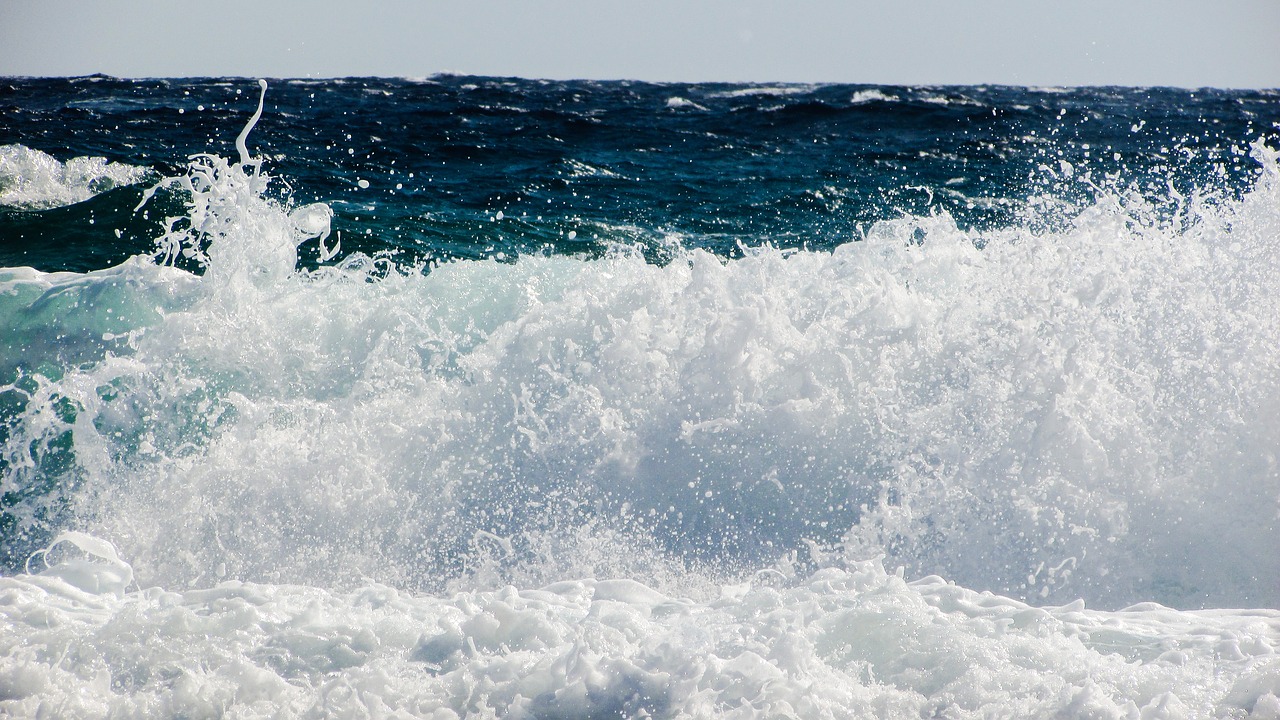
<point x="56" y="325"/>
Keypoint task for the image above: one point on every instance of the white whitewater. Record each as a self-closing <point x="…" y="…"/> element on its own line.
<point x="34" y="180"/>
<point x="604" y="488"/>
<point x="855" y="643"/>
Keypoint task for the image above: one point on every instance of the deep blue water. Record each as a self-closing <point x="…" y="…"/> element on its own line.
<point x="717" y="166"/>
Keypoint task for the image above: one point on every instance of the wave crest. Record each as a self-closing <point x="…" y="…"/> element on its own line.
<point x="34" y="180"/>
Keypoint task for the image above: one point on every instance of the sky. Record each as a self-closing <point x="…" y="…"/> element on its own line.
<point x="1184" y="43"/>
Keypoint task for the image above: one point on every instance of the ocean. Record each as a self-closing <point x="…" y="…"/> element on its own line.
<point x="492" y="397"/>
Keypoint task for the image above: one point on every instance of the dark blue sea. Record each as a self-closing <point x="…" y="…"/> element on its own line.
<point x="469" y="396"/>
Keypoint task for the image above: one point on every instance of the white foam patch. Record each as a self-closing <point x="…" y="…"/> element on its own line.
<point x="766" y="90"/>
<point x="579" y="169"/>
<point x="98" y="568"/>
<point x="855" y="643"/>
<point x="34" y="180"/>
<point x="679" y="103"/>
<point x="873" y="95"/>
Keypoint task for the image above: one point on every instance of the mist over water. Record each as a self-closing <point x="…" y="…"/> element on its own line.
<point x="688" y="402"/>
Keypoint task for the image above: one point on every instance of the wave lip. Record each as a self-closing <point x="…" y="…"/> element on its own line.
<point x="31" y="179"/>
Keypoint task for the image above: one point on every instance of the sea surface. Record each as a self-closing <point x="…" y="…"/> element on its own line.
<point x="492" y="397"/>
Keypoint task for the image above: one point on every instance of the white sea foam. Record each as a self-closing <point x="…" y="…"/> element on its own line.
<point x="937" y="98"/>
<point x="685" y="472"/>
<point x="34" y="180"/>
<point x="767" y="90"/>
<point x="678" y="103"/>
<point x="578" y="169"/>
<point x="873" y="95"/>
<point x="842" y="643"/>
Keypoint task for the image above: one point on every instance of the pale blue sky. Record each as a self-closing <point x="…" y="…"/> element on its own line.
<point x="1227" y="43"/>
